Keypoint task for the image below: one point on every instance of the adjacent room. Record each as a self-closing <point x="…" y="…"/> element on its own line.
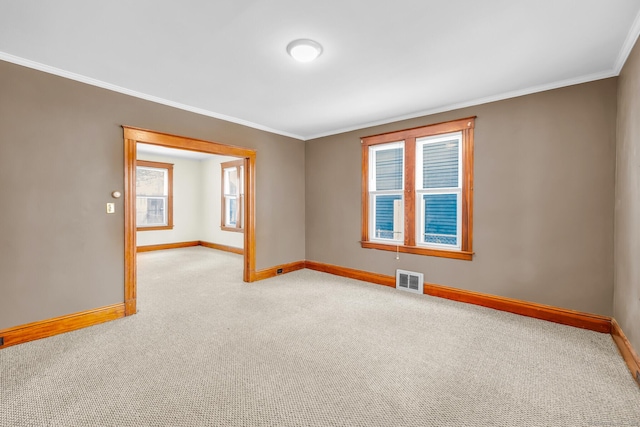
<point x="187" y="198"/>
<point x="354" y="213"/>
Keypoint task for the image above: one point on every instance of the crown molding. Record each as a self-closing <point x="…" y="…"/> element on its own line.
<point x="500" y="97"/>
<point x="104" y="85"/>
<point x="629" y="42"/>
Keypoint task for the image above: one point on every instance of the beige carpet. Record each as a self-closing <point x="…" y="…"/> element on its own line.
<point x="310" y="349"/>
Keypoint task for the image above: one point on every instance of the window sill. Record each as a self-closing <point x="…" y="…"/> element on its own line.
<point x="462" y="255"/>
<point x="159" y="227"/>
<point x="234" y="229"/>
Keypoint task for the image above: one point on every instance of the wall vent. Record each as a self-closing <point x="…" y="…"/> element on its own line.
<point x="410" y="281"/>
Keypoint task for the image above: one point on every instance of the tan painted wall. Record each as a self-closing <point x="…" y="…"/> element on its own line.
<point x="626" y="300"/>
<point x="544" y="170"/>
<point x="544" y="185"/>
<point x="61" y="155"/>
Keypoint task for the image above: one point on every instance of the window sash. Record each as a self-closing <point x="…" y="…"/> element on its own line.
<point x="231" y="211"/>
<point x="165" y="178"/>
<point x="421" y="190"/>
<point x="421" y="214"/>
<point x="145" y="217"/>
<point x="394" y="232"/>
<point x="438" y="139"/>
<point x="373" y="171"/>
<point x="230" y="176"/>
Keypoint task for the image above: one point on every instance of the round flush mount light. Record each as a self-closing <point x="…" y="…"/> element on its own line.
<point x="304" y="50"/>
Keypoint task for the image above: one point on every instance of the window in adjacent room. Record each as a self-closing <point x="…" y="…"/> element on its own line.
<point x="154" y="195"/>
<point x="418" y="190"/>
<point x="232" y="196"/>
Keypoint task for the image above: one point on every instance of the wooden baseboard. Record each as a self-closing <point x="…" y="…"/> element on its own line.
<point x="626" y="350"/>
<point x="550" y="313"/>
<point x="149" y="248"/>
<point x="58" y="325"/>
<point x="219" y="247"/>
<point x="277" y="270"/>
<point x="563" y="316"/>
<point x="161" y="247"/>
<point x="351" y="273"/>
<point x="50" y="327"/>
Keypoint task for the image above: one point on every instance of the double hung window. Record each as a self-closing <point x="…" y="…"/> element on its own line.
<point x="386" y="190"/>
<point x="154" y="195"/>
<point x="418" y="190"/>
<point x="232" y="195"/>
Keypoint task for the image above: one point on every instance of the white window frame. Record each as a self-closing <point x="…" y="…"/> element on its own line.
<point x="420" y="206"/>
<point x="373" y="193"/>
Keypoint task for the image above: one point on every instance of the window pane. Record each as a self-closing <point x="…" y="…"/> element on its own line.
<point x="231" y="181"/>
<point x="440" y="219"/>
<point x="150" y="211"/>
<point x="151" y="182"/>
<point x="389" y="166"/>
<point x="440" y="164"/>
<point x="231" y="217"/>
<point x="389" y="219"/>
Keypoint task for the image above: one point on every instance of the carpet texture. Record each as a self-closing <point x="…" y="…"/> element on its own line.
<point x="310" y="349"/>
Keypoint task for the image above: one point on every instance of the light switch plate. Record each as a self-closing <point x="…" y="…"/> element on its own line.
<point x="111" y="207"/>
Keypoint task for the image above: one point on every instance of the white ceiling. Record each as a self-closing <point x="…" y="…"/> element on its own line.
<point x="382" y="60"/>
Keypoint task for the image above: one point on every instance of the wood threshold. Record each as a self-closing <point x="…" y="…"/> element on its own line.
<point x="563" y="316"/>
<point x="232" y="249"/>
<point x="160" y="247"/>
<point x="58" y="325"/>
<point x="626" y="350"/>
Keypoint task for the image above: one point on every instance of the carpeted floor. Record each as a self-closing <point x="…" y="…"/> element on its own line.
<point x="310" y="349"/>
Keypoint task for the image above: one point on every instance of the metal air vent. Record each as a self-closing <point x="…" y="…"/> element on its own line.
<point x="410" y="281"/>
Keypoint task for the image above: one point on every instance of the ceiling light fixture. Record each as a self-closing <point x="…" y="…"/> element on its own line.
<point x="304" y="50"/>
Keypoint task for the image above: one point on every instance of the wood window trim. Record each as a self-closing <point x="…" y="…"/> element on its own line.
<point x="409" y="136"/>
<point x="238" y="229"/>
<point x="169" y="168"/>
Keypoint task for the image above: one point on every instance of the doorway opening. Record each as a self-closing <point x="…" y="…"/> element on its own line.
<point x="133" y="136"/>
